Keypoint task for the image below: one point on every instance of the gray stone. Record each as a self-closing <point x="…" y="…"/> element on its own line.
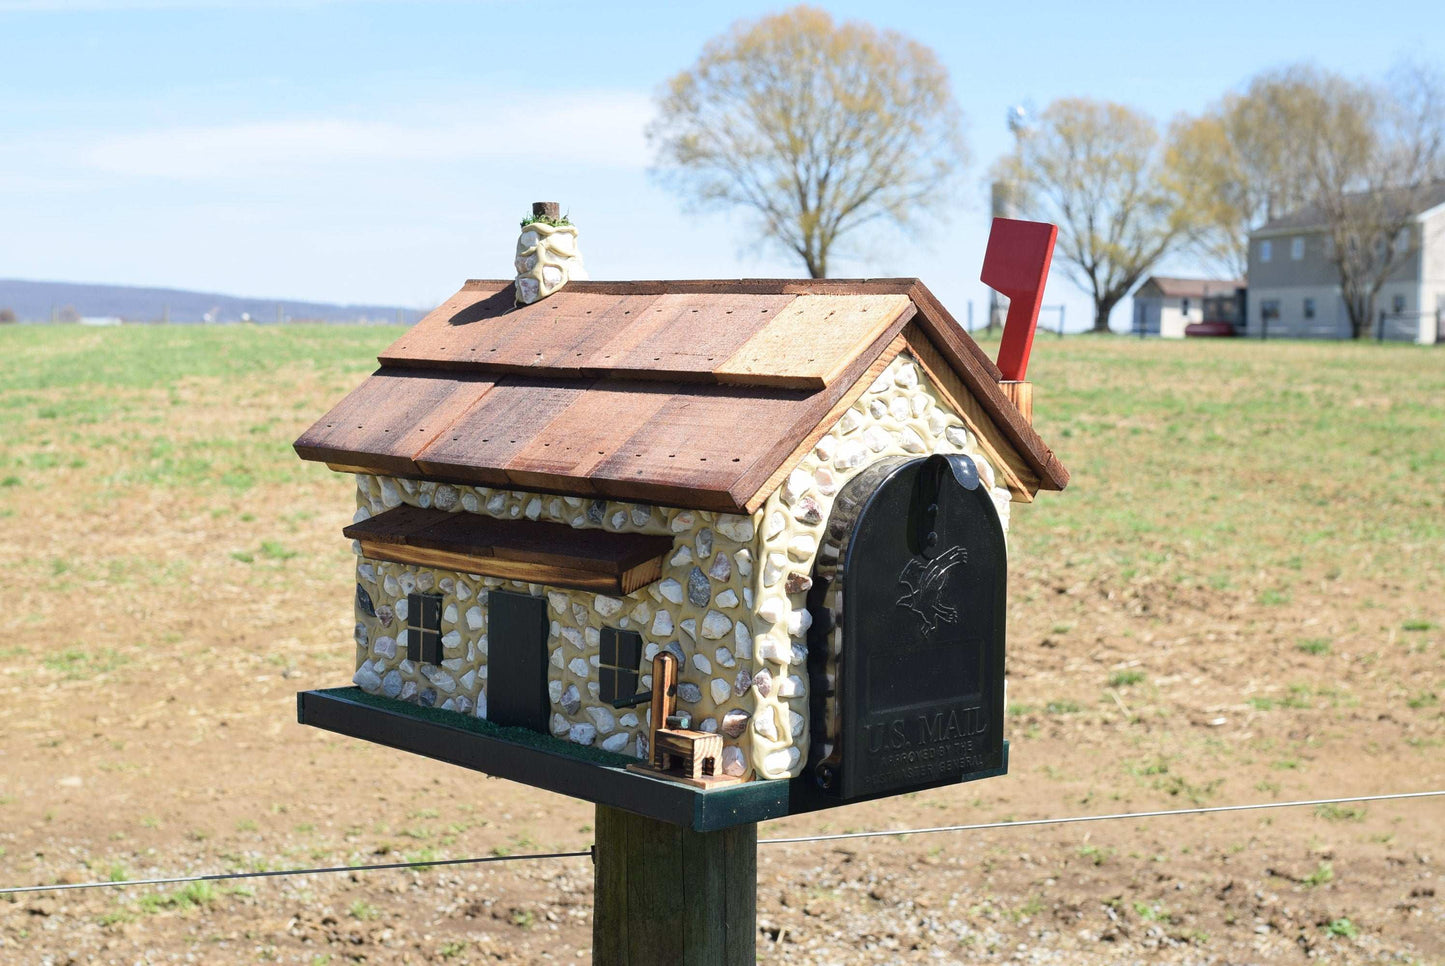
<point x="763" y="681"/>
<point x="689" y="692"/>
<point x="675" y="649"/>
<point x="445" y="497"/>
<point x="722" y="568"/>
<point x="734" y="722"/>
<point x="806" y="511"/>
<point x="699" y="591"/>
<point x="704" y="543"/>
<point x="671" y="589"/>
<point x="615" y="743"/>
<point x="743" y="681"/>
<point x="391" y="683"/>
<point x="385" y="647"/>
<point x="733" y="762"/>
<point x="366" y="679"/>
<point x="385" y="614"/>
<point x="596" y="511"/>
<point x="583" y="734"/>
<point x="362" y="634"/>
<point x="427" y="698"/>
<point x="602" y="719"/>
<point x="716" y="625"/>
<point x="641" y="516"/>
<point x="571" y="699"/>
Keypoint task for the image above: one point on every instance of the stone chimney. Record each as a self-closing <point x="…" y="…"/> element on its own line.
<point x="547" y="256"/>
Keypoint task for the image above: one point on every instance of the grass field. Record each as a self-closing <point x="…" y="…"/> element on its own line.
<point x="1239" y="598"/>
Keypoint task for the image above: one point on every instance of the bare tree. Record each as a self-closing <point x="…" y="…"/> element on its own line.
<point x="817" y="127"/>
<point x="1092" y="167"/>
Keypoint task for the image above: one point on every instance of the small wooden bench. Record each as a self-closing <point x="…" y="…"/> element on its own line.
<point x="698" y="754"/>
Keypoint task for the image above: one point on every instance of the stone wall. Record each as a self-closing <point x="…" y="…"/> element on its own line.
<point x="730" y="603"/>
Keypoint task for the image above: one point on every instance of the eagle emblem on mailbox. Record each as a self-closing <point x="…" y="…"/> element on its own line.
<point x="926" y="581"/>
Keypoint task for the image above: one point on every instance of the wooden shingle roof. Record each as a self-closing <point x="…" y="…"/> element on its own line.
<point x="694" y="393"/>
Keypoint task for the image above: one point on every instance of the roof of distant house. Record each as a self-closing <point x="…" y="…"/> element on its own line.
<point x="693" y="393"/>
<point x="1188" y="288"/>
<point x="1398" y="201"/>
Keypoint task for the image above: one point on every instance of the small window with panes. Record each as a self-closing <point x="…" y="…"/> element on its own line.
<point x="617" y="669"/>
<point x="424" y="628"/>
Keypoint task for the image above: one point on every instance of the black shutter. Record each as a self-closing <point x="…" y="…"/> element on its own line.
<point x="517" y="660"/>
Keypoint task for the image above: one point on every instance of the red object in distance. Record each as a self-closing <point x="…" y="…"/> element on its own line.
<point x="1016" y="264"/>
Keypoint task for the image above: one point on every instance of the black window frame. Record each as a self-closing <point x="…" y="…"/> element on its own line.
<point x="619" y="664"/>
<point x="1308" y="308"/>
<point x="424" y="628"/>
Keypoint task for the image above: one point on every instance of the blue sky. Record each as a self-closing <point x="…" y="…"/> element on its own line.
<point x="382" y="152"/>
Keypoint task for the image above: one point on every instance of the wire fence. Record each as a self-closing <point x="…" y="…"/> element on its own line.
<point x="792" y="840"/>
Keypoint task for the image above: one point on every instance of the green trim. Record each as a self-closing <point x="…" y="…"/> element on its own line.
<point x="480" y="726"/>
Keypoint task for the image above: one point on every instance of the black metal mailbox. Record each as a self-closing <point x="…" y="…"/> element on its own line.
<point x="906" y="651"/>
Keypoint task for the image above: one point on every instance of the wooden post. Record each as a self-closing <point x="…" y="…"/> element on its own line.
<point x="546" y="209"/>
<point x="1021" y="394"/>
<point x="669" y="896"/>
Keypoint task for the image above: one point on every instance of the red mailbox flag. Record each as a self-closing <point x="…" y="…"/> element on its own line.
<point x="1017" y="265"/>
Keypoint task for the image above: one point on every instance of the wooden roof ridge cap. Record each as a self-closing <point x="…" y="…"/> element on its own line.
<point x="722" y="286"/>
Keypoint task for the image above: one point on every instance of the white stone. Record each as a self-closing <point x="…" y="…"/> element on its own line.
<point x="776" y="521"/>
<point x="389" y="495"/>
<point x="795" y="723"/>
<point x="748" y="597"/>
<point x="720" y="690"/>
<point x="728" y="599"/>
<point x="765" y="724"/>
<point x="362" y="513"/>
<point x="650" y="651"/>
<point x="642" y="613"/>
<point x="825" y="448"/>
<point x="558" y="602"/>
<point x="579" y="614"/>
<point x="851" y="420"/>
<point x="938" y="421"/>
<point x="733" y="762"/>
<point x="877" y="438"/>
<point x="450" y="614"/>
<point x="496" y="503"/>
<point x="735" y="527"/>
<point x="689" y="627"/>
<point x="464" y="590"/>
<point x="592" y="635"/>
<point x="554" y="691"/>
<point x="439" y="678"/>
<point x="715" y="625"/>
<point x="683" y="556"/>
<point x="799" y="621"/>
<point x="851" y="454"/>
<point x="898" y="408"/>
<point x="471" y="505"/>
<point x="619" y="520"/>
<point x="594" y="689"/>
<point x="906" y="377"/>
<point x="662" y="624"/>
<point x="791" y="687"/>
<point x="641" y="516"/>
<point x="534" y="509"/>
<point x="773" y="609"/>
<point x="615" y="743"/>
<point x="882" y="383"/>
<point x="709" y="725"/>
<point x="744" y="561"/>
<point x="481" y="709"/>
<point x="452" y="639"/>
<point x="772" y="648"/>
<point x="956" y="436"/>
<point x="824" y="480"/>
<point x="583" y="734"/>
<point x="366" y="679"/>
<point x="724" y="657"/>
<point x="701" y="662"/>
<point x="802" y="547"/>
<point x="671" y="589"/>
<point x="558" y="660"/>
<point x="743" y="639"/>
<point x="684" y="521"/>
<point x="911" y="441"/>
<point x="578" y="667"/>
<point x="628" y="720"/>
<point x="603" y="719"/>
<point x="878" y="409"/>
<point x="606" y="606"/>
<point x="573" y="636"/>
<point x="794" y="486"/>
<point x="773" y="568"/>
<point x="918" y="403"/>
<point x="469" y="680"/>
<point x="384" y="647"/>
<point x="571" y="699"/>
<point x="559" y="724"/>
<point x="401" y="608"/>
<point x="389" y="586"/>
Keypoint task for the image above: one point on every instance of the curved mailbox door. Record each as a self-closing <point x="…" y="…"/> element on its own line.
<point x="906" y="654"/>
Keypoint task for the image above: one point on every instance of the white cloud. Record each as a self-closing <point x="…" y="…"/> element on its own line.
<point x="603" y="128"/>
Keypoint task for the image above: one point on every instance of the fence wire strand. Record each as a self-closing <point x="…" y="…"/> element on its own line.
<point x="976" y="827"/>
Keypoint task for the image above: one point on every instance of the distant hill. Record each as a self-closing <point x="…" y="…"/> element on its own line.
<point x="42" y="301"/>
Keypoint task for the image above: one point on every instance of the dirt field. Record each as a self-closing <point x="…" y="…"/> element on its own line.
<point x="1239" y="599"/>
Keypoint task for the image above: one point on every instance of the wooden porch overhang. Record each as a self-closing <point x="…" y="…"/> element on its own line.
<point x="540" y="553"/>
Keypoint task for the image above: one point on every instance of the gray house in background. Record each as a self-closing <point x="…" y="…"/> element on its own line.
<point x="1165" y="306"/>
<point x="1294" y="287"/>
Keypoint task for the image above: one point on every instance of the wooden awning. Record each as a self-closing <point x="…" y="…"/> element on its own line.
<point x="542" y="553"/>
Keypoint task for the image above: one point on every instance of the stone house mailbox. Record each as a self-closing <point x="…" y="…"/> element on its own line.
<point x="745" y="536"/>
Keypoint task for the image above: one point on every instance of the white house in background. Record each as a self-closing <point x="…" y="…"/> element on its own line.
<point x="1294" y="286"/>
<point x="1164" y="306"/>
<point x="101" y="320"/>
